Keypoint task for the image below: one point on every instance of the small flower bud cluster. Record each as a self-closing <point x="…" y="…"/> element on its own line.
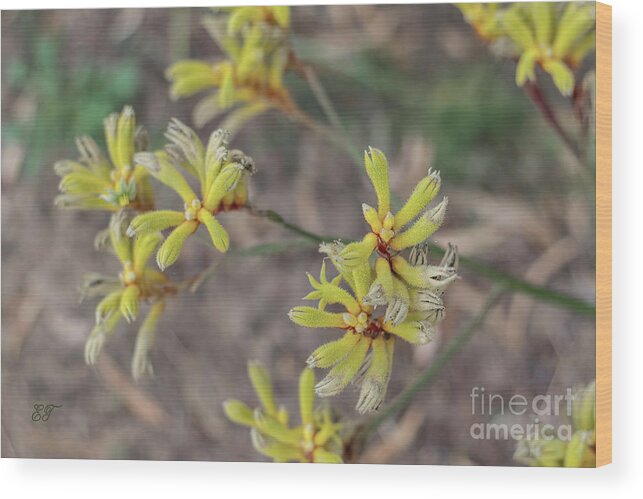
<point x="315" y="440"/>
<point x="123" y="295"/>
<point x="250" y="79"/>
<point x="554" y="36"/>
<point x="223" y="177"/>
<point x="374" y="273"/>
<point x="95" y="182"/>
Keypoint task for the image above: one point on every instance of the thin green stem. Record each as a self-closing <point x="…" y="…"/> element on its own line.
<point x="335" y="137"/>
<point x="276" y="218"/>
<point x="403" y="400"/>
<point x="516" y="284"/>
<point x="512" y="282"/>
<point x="335" y="134"/>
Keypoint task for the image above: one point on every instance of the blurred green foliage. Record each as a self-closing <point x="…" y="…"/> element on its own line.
<point x="69" y="101"/>
<point x="471" y="113"/>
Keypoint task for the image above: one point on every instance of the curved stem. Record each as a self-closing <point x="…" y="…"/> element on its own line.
<point x="520" y="285"/>
<point x="339" y="139"/>
<point x="335" y="134"/>
<point x="403" y="400"/>
<point x="276" y="218"/>
<point x="538" y="98"/>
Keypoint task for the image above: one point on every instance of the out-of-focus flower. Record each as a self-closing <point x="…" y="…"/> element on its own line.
<point x="123" y="295"/>
<point x="223" y="177"/>
<point x="95" y="182"/>
<point x="250" y="79"/>
<point x="554" y="36"/>
<point x="579" y="451"/>
<point x="483" y="18"/>
<point x="316" y="440"/>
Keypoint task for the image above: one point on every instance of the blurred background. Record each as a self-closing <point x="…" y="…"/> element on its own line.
<point x="413" y="81"/>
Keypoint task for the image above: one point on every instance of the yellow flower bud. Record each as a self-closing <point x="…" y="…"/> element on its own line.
<point x="271" y="427"/>
<point x="412" y="331"/>
<point x="372" y="218"/>
<point x="143" y="247"/>
<point x="344" y="371"/>
<point x="159" y="166"/>
<point x="282" y="15"/>
<point x="226" y="91"/>
<point x="225" y="181"/>
<point x="83" y="182"/>
<point x="355" y="254"/>
<point x="129" y="302"/>
<point x="239" y="413"/>
<point x="263" y="386"/>
<point x="172" y="246"/>
<point x="108" y="306"/>
<point x="307" y="396"/>
<point x="422" y="229"/>
<point x="218" y="234"/>
<point x="421" y="196"/>
<point x="145" y="338"/>
<point x="190" y="77"/>
<point x="333" y="352"/>
<point x="125" y="130"/>
<point x="154" y="221"/>
<point x="384" y="276"/>
<point x="313" y="317"/>
<point x="376" y="378"/>
<point x="121" y="245"/>
<point x="377" y="169"/>
<point x="584" y="408"/>
<point x="430" y="277"/>
<point x="110" y="125"/>
<point x="389" y="221"/>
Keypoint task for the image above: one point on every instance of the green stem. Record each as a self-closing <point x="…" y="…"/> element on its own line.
<point x="276" y="218"/>
<point x="406" y="397"/>
<point x="514" y="283"/>
<point x="337" y="134"/>
<point x="335" y="137"/>
<point x="322" y="97"/>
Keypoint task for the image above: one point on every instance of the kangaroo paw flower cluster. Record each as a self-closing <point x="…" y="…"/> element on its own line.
<point x="554" y="37"/>
<point x="316" y="440"/>
<point x="579" y="451"/>
<point x="121" y="185"/>
<point x="123" y="295"/>
<point x="250" y="79"/>
<point x="222" y="174"/>
<point x="96" y="182"/>
<point x="374" y="272"/>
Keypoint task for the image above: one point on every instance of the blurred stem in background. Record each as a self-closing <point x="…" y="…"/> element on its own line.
<point x="538" y="98"/>
<point x="337" y="132"/>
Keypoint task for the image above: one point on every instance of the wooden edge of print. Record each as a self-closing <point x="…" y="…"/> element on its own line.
<point x="603" y="234"/>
